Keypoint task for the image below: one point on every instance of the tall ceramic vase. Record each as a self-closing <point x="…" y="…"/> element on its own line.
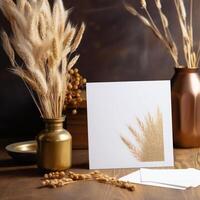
<point x="54" y="146"/>
<point x="185" y="86"/>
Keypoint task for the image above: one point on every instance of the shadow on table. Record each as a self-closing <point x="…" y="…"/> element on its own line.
<point x="81" y="166"/>
<point x="20" y="172"/>
<point x="14" y="163"/>
<point x="14" y="168"/>
<point x="11" y="163"/>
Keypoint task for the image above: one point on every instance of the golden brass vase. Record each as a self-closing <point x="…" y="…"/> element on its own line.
<point x="185" y="86"/>
<point x="54" y="146"/>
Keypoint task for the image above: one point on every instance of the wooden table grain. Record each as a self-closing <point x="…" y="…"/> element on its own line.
<point x="22" y="182"/>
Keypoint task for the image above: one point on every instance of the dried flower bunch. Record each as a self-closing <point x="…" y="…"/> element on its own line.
<point x="74" y="89"/>
<point x="45" y="40"/>
<point x="59" y="179"/>
<point x="150" y="142"/>
<point x="192" y="54"/>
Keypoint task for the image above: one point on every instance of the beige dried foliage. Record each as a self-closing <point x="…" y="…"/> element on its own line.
<point x="25" y="75"/>
<point x="8" y="48"/>
<point x="73" y="61"/>
<point x="143" y="3"/>
<point x="149" y="144"/>
<point x="78" y="38"/>
<point x="158" y="4"/>
<point x="42" y="37"/>
<point x="191" y="54"/>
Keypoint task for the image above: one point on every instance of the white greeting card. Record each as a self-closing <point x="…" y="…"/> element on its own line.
<point x="129" y="124"/>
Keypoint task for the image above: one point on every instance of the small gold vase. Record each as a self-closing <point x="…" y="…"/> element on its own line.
<point x="54" y="146"/>
<point x="185" y="86"/>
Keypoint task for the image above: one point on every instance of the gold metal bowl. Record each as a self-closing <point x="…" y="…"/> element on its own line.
<point x="23" y="151"/>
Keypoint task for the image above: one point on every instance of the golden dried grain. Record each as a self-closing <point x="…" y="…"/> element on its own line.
<point x="145" y="21"/>
<point x="68" y="38"/>
<point x="131" y="9"/>
<point x="55" y="48"/>
<point x="78" y="38"/>
<point x="143" y="3"/>
<point x="72" y="177"/>
<point x="21" y="5"/>
<point x="42" y="27"/>
<point x="158" y="4"/>
<point x="165" y="20"/>
<point x="73" y="61"/>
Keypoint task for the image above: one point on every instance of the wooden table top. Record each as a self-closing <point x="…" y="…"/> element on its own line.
<point x="21" y="182"/>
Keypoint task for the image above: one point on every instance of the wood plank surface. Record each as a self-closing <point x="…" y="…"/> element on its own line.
<point x="21" y="182"/>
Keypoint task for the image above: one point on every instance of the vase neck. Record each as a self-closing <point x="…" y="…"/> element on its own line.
<point x="54" y="124"/>
<point x="186" y="70"/>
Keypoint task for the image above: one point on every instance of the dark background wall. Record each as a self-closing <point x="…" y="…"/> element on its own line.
<point x="116" y="47"/>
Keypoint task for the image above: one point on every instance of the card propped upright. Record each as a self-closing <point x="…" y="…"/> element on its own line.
<point x="129" y="124"/>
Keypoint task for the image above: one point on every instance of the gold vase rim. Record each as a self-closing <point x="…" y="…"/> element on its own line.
<point x="59" y="119"/>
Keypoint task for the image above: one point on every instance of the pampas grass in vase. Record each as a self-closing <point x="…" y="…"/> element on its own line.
<point x="186" y="81"/>
<point x="45" y="41"/>
<point x="191" y="52"/>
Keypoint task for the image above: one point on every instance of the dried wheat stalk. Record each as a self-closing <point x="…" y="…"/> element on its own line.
<point x="150" y="146"/>
<point x="44" y="39"/>
<point x="192" y="55"/>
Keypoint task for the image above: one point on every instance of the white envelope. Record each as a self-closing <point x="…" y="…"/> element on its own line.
<point x="135" y="177"/>
<point x="177" y="177"/>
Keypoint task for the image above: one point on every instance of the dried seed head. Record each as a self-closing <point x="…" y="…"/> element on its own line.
<point x="62" y="173"/>
<point x="8" y="48"/>
<point x="44" y="183"/>
<point x="182" y="9"/>
<point x="55" y="48"/>
<point x="143" y="4"/>
<point x="131" y="9"/>
<point x="42" y="27"/>
<point x="46" y="176"/>
<point x="145" y="20"/>
<point x="69" y="37"/>
<point x="27" y="9"/>
<point x="158" y="4"/>
<point x="51" y="61"/>
<point x="78" y="38"/>
<point x="84" y="80"/>
<point x="165" y="21"/>
<point x="73" y="62"/>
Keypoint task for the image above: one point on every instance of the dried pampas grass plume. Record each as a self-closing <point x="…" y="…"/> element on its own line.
<point x="192" y="55"/>
<point x="45" y="40"/>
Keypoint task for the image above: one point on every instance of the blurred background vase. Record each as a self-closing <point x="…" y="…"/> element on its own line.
<point x="185" y="86"/>
<point x="54" y="146"/>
